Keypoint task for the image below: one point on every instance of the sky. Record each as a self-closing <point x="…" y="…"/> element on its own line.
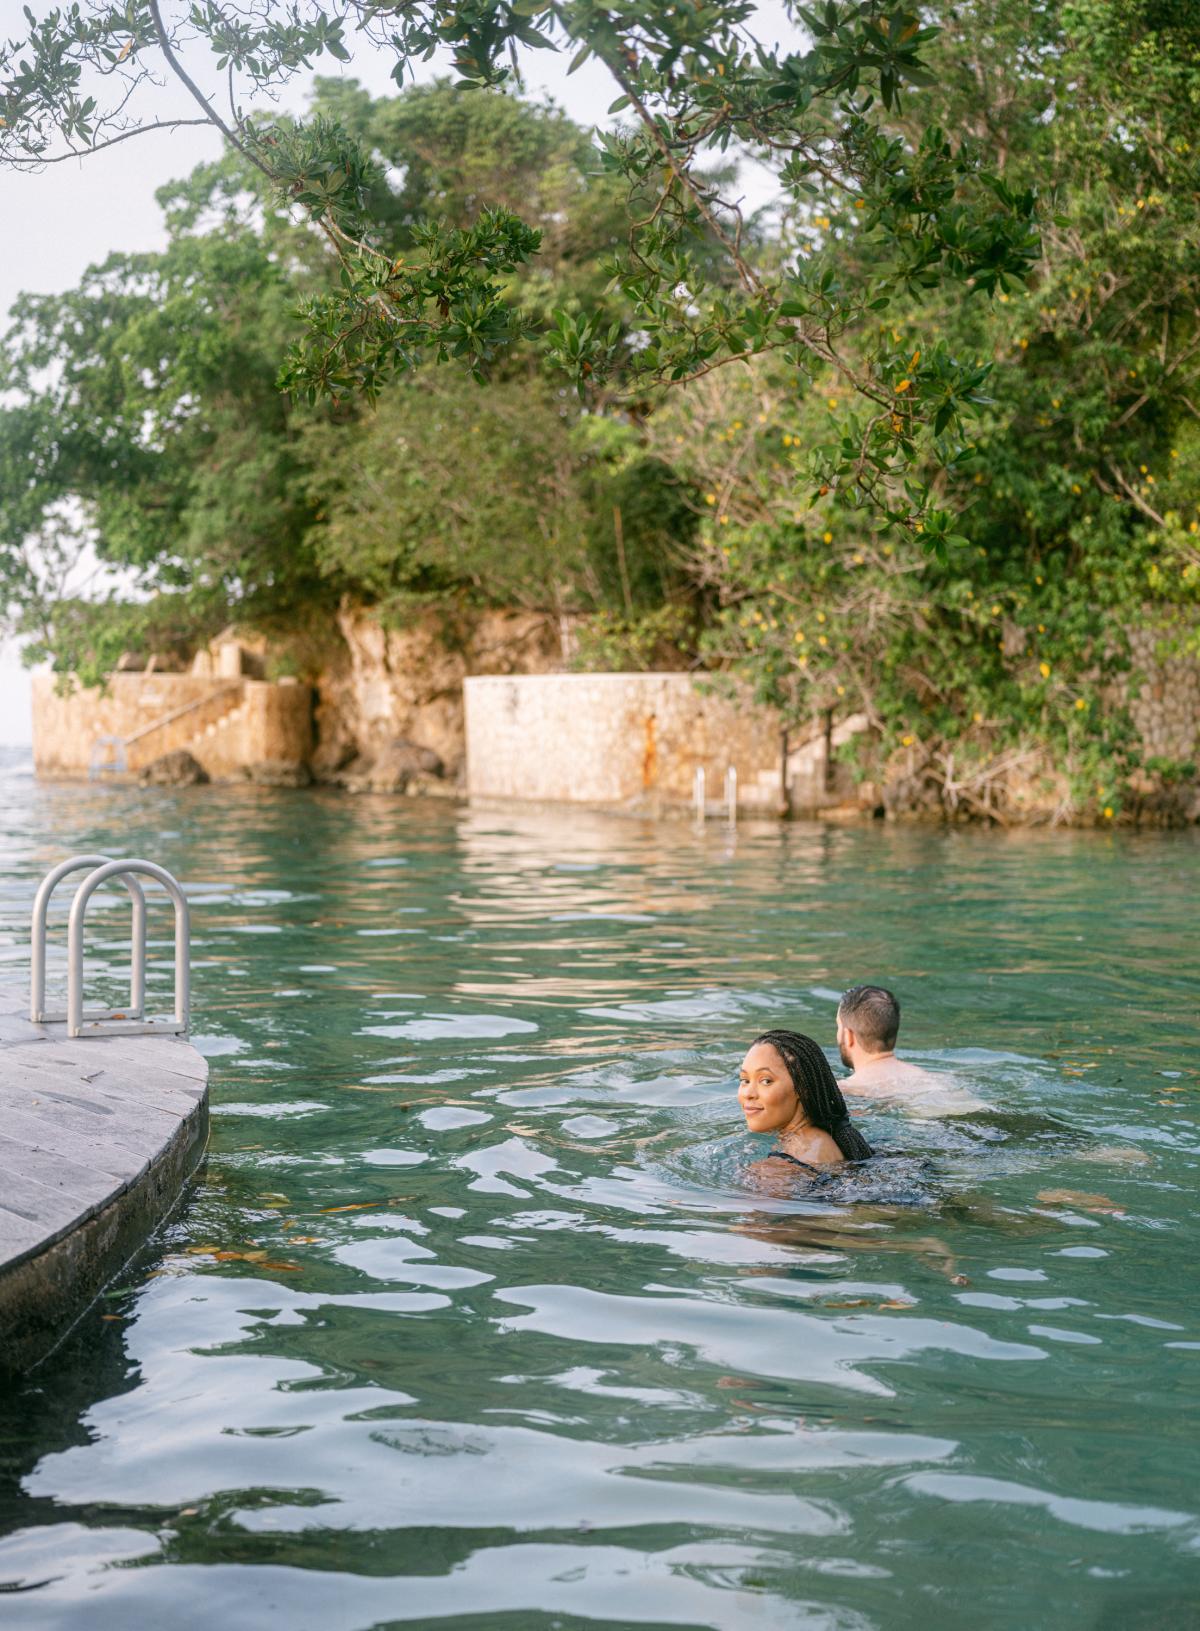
<point x="72" y="215"/>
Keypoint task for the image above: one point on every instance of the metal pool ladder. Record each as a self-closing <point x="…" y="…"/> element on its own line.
<point x="129" y="1021"/>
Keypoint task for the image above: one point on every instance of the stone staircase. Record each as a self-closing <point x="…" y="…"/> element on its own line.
<point x="219" y="746"/>
<point x="192" y="726"/>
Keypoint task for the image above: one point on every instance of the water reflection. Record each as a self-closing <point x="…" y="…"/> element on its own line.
<point x="473" y="1318"/>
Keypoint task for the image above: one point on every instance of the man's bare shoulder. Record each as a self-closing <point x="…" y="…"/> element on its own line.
<point x="926" y="1090"/>
<point x="891" y="1076"/>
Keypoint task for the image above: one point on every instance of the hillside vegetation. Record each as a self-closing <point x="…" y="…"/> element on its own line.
<point x="885" y="447"/>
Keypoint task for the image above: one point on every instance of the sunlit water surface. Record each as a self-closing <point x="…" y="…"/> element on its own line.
<point x="474" y="1318"/>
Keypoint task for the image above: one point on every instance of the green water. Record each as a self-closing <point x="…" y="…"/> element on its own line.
<point x="521" y="1348"/>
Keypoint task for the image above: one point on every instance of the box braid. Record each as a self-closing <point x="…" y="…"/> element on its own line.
<point x="817" y="1089"/>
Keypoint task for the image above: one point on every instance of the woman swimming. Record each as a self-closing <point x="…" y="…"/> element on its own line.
<point x="787" y="1088"/>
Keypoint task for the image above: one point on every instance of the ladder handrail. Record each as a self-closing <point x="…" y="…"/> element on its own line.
<point x="114" y="869"/>
<point x="41" y="905"/>
<point x="178" y="713"/>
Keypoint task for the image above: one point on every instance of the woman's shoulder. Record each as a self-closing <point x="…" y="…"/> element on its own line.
<point x="827" y="1150"/>
<point x="819" y="1151"/>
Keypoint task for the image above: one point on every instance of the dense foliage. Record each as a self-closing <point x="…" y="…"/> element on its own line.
<point x="146" y="422"/>
<point x="704" y="287"/>
<point x="1078" y="498"/>
<point x="921" y="442"/>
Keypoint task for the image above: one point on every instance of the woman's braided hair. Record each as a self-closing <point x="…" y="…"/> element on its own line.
<point x="817" y="1089"/>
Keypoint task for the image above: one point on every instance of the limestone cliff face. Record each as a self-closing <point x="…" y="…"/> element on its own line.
<point x="383" y="684"/>
<point x="383" y="711"/>
<point x="380" y="690"/>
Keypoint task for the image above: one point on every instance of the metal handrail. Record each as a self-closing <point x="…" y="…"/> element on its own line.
<point x="77" y="1024"/>
<point x="117" y="762"/>
<point x="38" y="1011"/>
<point x="178" y="713"/>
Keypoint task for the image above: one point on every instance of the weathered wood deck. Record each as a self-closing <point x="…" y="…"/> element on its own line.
<point x="97" y="1138"/>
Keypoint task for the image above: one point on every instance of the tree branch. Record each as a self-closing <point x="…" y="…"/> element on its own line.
<point x="98" y="147"/>
<point x="210" y="113"/>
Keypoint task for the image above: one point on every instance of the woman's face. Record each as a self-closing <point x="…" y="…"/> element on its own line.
<point x="769" y="1101"/>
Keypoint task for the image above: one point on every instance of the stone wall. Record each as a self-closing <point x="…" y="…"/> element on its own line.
<point x="1164" y="699"/>
<point x="231" y="726"/>
<point x="538" y="733"/>
<point x="637" y="741"/>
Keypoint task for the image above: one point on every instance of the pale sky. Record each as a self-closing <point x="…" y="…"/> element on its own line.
<point x="72" y="215"/>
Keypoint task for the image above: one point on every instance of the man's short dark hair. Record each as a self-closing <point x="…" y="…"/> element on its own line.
<point x="873" y="1014"/>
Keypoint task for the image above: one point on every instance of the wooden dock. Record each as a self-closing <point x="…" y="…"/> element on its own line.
<point x="97" y="1138"/>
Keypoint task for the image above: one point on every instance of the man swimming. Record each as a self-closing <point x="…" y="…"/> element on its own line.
<point x="868" y="1023"/>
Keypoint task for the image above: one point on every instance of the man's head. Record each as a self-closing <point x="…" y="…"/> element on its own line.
<point x="868" y="1023"/>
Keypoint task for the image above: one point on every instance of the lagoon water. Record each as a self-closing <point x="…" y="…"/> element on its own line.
<point x="474" y="1318"/>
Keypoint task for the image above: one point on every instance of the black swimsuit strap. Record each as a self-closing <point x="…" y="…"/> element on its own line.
<point x="796" y="1161"/>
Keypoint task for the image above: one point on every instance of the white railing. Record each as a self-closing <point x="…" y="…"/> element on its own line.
<point x="110" y="1022"/>
<point x="38" y="1012"/>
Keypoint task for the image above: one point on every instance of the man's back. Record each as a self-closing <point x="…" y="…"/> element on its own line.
<point x="889" y="1075"/>
<point x="868" y="1025"/>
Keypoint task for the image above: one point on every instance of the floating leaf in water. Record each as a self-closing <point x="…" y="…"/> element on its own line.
<point x="1079" y="1197"/>
<point x="1115" y="1154"/>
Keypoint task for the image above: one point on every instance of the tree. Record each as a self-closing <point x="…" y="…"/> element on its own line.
<point x="706" y="289"/>
<point x="145" y="420"/>
<point x="147" y="424"/>
<point x="1077" y="501"/>
<point x="504" y="496"/>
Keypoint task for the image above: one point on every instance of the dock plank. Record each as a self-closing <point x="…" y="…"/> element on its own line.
<point x="87" y="1184"/>
<point x="51" y="1209"/>
<point x="16" y="1028"/>
<point x="98" y="1099"/>
<point x="17" y="1236"/>
<point x="98" y="1134"/>
<point x="47" y="1133"/>
<point x="165" y="1053"/>
<point x="95" y="1120"/>
<point x="105" y="1075"/>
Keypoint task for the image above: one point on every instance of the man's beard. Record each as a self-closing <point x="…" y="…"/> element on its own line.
<point x="846" y="1059"/>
